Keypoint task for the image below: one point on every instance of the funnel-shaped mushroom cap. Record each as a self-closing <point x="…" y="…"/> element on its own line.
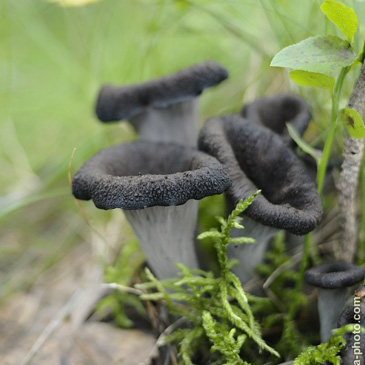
<point x="256" y="158"/>
<point x="143" y="174"/>
<point x="334" y="275"/>
<point x="274" y="112"/>
<point x="118" y="103"/>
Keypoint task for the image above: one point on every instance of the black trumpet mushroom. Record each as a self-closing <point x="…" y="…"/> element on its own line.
<point x="256" y="158"/>
<point x="353" y="353"/>
<point x="158" y="186"/>
<point x="332" y="280"/>
<point x="164" y="109"/>
<point x="274" y="112"/>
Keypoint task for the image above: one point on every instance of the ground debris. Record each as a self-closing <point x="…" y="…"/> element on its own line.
<point x="48" y="325"/>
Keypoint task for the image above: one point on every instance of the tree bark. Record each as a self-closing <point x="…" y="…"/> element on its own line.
<point x="349" y="177"/>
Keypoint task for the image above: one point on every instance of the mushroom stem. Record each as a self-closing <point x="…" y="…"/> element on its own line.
<point x="330" y="305"/>
<point x="166" y="236"/>
<point x="332" y="279"/>
<point x="177" y="123"/>
<point x="250" y="255"/>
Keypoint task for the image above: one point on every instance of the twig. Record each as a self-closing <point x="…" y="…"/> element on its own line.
<point x="81" y="210"/>
<point x="50" y="328"/>
<point x="160" y="340"/>
<point x="269" y="281"/>
<point x="124" y="288"/>
<point x="349" y="177"/>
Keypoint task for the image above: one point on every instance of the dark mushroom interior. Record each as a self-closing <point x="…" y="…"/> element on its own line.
<point x="274" y="112"/>
<point x="143" y="174"/>
<point x="138" y="158"/>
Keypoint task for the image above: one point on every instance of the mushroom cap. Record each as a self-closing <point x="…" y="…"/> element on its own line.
<point x="354" y="313"/>
<point x="143" y="174"/>
<point x="347" y="315"/>
<point x="275" y="111"/>
<point x="334" y="275"/>
<point x="360" y="292"/>
<point x="118" y="103"/>
<point x="256" y="158"/>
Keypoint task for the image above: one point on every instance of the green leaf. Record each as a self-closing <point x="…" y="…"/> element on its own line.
<point x="221" y="221"/>
<point x="305" y="78"/>
<point x="316" y="54"/>
<point x="304" y="146"/>
<point x="353" y="122"/>
<point x="213" y="234"/>
<point x="239" y="240"/>
<point x="237" y="225"/>
<point x="342" y="16"/>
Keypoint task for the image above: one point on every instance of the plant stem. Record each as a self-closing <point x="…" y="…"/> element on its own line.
<point x="348" y="181"/>
<point x="222" y="259"/>
<point x="303" y="266"/>
<point x="304" y="262"/>
<point x="321" y="173"/>
<point x="361" y="248"/>
<point x="322" y="166"/>
<point x="231" y="27"/>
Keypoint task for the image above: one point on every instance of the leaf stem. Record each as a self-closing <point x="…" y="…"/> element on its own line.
<point x="362" y="55"/>
<point x="321" y="173"/>
<point x="322" y="166"/>
<point x="361" y="248"/>
<point x="304" y="263"/>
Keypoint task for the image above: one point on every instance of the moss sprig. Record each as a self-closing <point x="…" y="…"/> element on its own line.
<point x="282" y="298"/>
<point x="216" y="308"/>
<point x="123" y="272"/>
<point x="328" y="351"/>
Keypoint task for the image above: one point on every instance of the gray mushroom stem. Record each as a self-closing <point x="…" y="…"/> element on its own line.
<point x="330" y="305"/>
<point x="250" y="255"/>
<point x="332" y="280"/>
<point x="166" y="234"/>
<point x="177" y="123"/>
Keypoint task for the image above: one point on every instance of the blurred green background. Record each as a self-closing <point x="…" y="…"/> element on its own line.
<point x="53" y="60"/>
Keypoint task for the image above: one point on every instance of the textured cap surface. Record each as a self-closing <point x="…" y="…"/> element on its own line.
<point x="354" y="313"/>
<point x="256" y="158"/>
<point x="143" y="174"/>
<point x="117" y="103"/>
<point x="347" y="315"/>
<point x="274" y="112"/>
<point x="333" y="275"/>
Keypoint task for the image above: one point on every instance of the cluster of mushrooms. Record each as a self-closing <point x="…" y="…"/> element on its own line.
<point x="158" y="179"/>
